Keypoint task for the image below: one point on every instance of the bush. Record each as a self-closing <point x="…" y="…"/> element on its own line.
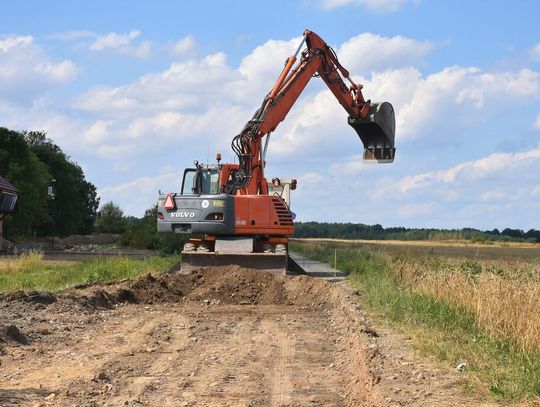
<point x="144" y="235"/>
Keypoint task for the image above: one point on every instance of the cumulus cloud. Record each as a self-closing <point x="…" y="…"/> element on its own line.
<point x="141" y="193"/>
<point x="534" y="52"/>
<point x="184" y="85"/>
<point x="122" y="43"/>
<point x="436" y="109"/>
<point x="262" y="66"/>
<point x="493" y="191"/>
<point x="414" y="209"/>
<point x="183" y="45"/>
<point x="208" y="97"/>
<point x="114" y="40"/>
<point x="373" y="5"/>
<point x="369" y="52"/>
<point x="442" y="103"/>
<point x="27" y="71"/>
<point x="493" y="194"/>
<point x="509" y="165"/>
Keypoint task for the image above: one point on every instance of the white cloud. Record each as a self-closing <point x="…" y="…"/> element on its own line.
<point x="114" y="40"/>
<point x="414" y="209"/>
<point x="261" y="68"/>
<point x="534" y="52"/>
<point x="96" y="133"/>
<point x="122" y="43"/>
<point x="493" y="194"/>
<point x="199" y="96"/>
<point x="140" y="194"/>
<point x="374" y="5"/>
<point x="26" y="70"/>
<point x="437" y="108"/>
<point x="183" y="45"/>
<point x="537" y="123"/>
<point x="368" y="52"/>
<point x="497" y="164"/>
<point x="448" y="101"/>
<point x="184" y="85"/>
<point x="10" y="43"/>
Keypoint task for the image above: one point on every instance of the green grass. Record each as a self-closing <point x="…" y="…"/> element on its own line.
<point x="55" y="276"/>
<point x="439" y="329"/>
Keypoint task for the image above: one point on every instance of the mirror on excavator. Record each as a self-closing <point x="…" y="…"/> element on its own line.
<point x="377" y="132"/>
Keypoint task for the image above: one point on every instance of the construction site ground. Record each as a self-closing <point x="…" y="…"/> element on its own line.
<point x="215" y="337"/>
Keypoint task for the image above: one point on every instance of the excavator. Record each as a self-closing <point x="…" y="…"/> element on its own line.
<point x="232" y="212"/>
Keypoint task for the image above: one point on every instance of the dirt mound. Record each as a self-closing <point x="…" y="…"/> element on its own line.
<point x="151" y="289"/>
<point x="236" y="285"/>
<point x="10" y="334"/>
<point x="223" y="285"/>
<point x="228" y="285"/>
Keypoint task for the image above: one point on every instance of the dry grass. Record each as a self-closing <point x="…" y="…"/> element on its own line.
<point x="482" y="312"/>
<point x="423" y="243"/>
<point x="24" y="262"/>
<point x="503" y="296"/>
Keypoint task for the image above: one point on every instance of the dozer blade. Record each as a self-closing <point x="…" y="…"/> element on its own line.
<point x="377" y="132"/>
<point x="273" y="262"/>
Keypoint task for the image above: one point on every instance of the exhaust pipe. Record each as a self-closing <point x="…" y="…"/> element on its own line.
<point x="377" y="132"/>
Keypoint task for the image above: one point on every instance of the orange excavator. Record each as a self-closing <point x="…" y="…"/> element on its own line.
<point x="229" y="210"/>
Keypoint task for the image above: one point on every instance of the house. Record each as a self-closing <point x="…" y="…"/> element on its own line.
<point x="8" y="199"/>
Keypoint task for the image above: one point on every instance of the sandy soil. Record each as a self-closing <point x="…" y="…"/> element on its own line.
<point x="217" y="337"/>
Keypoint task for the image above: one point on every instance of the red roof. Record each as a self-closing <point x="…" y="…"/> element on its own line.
<point x="6" y="186"/>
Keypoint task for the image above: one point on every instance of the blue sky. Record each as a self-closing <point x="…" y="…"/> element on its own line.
<point x="135" y="91"/>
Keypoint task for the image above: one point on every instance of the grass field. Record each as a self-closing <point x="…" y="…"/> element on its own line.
<point x="32" y="272"/>
<point x="484" y="313"/>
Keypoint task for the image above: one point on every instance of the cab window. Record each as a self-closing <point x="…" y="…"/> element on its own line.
<point x="202" y="182"/>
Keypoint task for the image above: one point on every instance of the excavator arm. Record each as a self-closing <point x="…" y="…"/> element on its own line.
<point x="373" y="122"/>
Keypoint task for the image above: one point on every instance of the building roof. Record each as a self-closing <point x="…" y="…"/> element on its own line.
<point x="6" y="186"/>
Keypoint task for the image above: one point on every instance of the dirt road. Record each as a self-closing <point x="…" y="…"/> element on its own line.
<point x="222" y="337"/>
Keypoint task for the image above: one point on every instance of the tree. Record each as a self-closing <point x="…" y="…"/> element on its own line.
<point x="144" y="235"/>
<point x="31" y="177"/>
<point x="74" y="207"/>
<point x="110" y="219"/>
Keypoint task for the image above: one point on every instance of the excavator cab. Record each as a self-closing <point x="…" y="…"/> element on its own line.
<point x="377" y="132"/>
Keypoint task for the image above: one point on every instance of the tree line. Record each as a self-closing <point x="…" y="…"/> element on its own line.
<point x="377" y="232"/>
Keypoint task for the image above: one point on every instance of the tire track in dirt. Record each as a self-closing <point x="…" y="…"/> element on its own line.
<point x="282" y="388"/>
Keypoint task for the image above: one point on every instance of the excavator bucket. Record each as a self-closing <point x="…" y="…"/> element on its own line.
<point x="377" y="132"/>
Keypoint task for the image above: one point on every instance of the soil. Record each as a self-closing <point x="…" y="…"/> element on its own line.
<point x="216" y="337"/>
